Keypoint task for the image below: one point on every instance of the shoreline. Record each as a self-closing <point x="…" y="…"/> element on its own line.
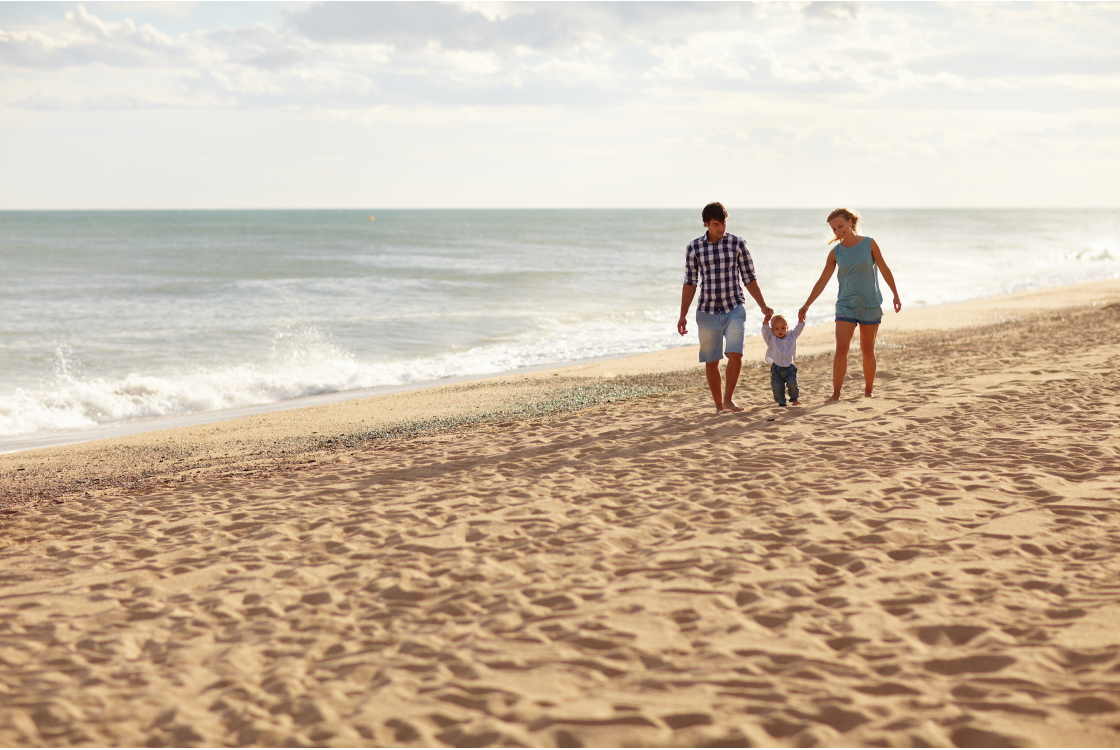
<point x="809" y="344"/>
<point x="111" y="431"/>
<point x="593" y="557"/>
<point x="271" y="439"/>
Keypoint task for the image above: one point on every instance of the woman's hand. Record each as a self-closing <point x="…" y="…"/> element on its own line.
<point x="802" y="314"/>
<point x="897" y="304"/>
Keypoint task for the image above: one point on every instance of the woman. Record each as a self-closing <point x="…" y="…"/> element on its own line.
<point x="858" y="304"/>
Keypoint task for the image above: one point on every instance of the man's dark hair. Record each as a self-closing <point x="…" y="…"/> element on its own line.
<point x="714" y="211"/>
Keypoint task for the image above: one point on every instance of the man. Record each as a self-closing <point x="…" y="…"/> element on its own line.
<point x="718" y="260"/>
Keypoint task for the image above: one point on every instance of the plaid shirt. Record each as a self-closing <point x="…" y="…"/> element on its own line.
<point x="720" y="267"/>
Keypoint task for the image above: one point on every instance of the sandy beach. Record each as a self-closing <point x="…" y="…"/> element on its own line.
<point x="591" y="556"/>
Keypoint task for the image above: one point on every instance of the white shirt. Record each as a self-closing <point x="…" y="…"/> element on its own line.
<point x="781" y="352"/>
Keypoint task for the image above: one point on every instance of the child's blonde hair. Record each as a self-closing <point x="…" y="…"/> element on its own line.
<point x="776" y="318"/>
<point x="847" y="213"/>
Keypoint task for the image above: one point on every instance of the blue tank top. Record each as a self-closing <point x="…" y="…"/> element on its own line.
<point x="858" y="275"/>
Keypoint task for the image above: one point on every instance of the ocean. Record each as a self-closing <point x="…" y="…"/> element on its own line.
<point x="115" y="316"/>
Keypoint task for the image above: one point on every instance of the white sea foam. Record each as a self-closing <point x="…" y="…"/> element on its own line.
<point x="301" y="362"/>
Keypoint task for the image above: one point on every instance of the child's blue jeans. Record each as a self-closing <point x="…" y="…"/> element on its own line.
<point x="782" y="378"/>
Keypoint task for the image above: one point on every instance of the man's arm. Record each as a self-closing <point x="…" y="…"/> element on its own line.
<point x="687" y="293"/>
<point x="754" y="291"/>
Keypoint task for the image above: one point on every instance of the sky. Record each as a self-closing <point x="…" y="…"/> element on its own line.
<point x="567" y="105"/>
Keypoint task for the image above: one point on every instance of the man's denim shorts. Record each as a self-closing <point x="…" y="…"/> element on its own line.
<point x="713" y="329"/>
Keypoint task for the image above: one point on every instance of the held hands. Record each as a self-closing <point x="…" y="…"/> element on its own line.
<point x="682" y="325"/>
<point x="767" y="312"/>
<point x="802" y="314"/>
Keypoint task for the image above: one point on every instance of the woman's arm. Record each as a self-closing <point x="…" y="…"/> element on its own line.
<point x="826" y="274"/>
<point x="877" y="254"/>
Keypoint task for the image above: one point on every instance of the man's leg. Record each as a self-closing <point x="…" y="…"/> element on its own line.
<point x="734" y="367"/>
<point x="711" y="369"/>
<point x="844" y="333"/>
<point x="734" y="330"/>
<point x="710" y="329"/>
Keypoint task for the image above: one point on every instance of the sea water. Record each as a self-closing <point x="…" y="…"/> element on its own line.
<point x="117" y="316"/>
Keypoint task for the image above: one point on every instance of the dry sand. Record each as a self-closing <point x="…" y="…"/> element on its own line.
<point x="590" y="556"/>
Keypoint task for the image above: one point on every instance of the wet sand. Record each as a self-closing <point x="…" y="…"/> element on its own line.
<point x="592" y="556"/>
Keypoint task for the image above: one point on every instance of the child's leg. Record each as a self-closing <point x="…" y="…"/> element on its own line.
<point x="777" y="385"/>
<point x="867" y="346"/>
<point x="844" y="333"/>
<point x="791" y="383"/>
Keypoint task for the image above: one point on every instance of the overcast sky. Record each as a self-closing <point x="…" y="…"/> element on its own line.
<point x="370" y="105"/>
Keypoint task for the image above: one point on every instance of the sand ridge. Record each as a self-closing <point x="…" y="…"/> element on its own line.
<point x="936" y="566"/>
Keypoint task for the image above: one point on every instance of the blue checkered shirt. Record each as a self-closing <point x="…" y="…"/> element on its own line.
<point x="719" y="266"/>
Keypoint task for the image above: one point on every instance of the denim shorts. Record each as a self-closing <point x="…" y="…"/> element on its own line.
<point x="865" y="316"/>
<point x="713" y="329"/>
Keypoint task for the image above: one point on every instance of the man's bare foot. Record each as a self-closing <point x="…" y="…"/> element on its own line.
<point x="732" y="406"/>
<point x="795" y="402"/>
<point x="832" y="399"/>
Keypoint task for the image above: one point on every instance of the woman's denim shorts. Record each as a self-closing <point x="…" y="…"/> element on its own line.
<point x="865" y="316"/>
<point x="713" y="329"/>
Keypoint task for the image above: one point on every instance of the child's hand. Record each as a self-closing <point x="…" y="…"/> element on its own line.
<point x="802" y="314"/>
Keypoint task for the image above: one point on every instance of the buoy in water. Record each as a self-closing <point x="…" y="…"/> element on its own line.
<point x="371" y="218"/>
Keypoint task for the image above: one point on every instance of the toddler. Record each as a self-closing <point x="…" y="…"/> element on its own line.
<point x="781" y="349"/>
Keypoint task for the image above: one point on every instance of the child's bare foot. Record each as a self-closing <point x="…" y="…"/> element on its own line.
<point x="795" y="402"/>
<point x="832" y="399"/>
<point x="732" y="406"/>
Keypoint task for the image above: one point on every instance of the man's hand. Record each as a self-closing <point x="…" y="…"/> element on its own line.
<point x="682" y="325"/>
<point x="767" y="312"/>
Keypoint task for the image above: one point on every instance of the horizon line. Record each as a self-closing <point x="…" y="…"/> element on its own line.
<point x="569" y="208"/>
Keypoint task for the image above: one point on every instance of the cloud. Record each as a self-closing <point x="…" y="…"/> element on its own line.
<point x="412" y="26"/>
<point x="84" y="39"/>
<point x="1017" y="64"/>
<point x="504" y="27"/>
<point x="360" y="55"/>
<point x="829" y="13"/>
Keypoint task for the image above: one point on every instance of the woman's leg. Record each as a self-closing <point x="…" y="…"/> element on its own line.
<point x="844" y="333"/>
<point x="867" y="346"/>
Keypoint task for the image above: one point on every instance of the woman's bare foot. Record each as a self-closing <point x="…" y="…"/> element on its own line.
<point x="731" y="406"/>
<point x="832" y="399"/>
<point x="869" y="394"/>
<point x="795" y="402"/>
